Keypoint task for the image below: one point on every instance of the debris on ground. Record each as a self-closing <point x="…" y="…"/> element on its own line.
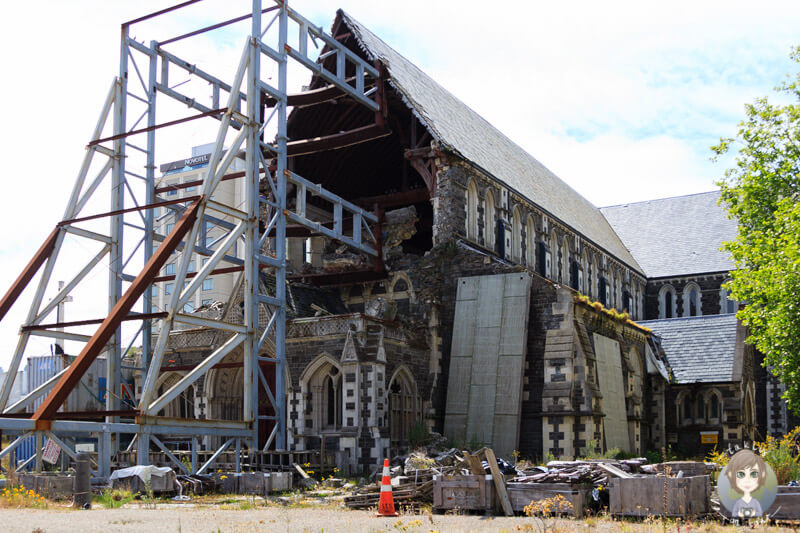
<point x="458" y="479"/>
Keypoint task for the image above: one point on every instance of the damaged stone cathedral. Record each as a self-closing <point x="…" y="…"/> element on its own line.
<point x="506" y="310"/>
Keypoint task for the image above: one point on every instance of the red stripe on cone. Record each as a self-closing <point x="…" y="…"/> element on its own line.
<point x="386" y="502"/>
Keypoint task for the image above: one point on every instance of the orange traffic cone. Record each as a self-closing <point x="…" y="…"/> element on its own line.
<point x="386" y="503"/>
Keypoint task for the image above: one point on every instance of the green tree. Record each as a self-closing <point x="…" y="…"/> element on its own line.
<point x="762" y="192"/>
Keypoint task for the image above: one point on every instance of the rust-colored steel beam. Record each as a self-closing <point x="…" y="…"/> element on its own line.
<point x="28" y="272"/>
<point x="215" y="26"/>
<point x="166" y="368"/>
<point x="186" y="185"/>
<point x="128" y="210"/>
<point x="161" y="12"/>
<point x="396" y="199"/>
<point x="140" y="316"/>
<point x="335" y="279"/>
<point x="226" y="270"/>
<point x="337" y="140"/>
<point x="211" y="113"/>
<point x="47" y="410"/>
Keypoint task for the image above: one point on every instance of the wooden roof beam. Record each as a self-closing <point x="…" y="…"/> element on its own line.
<point x="337" y="140"/>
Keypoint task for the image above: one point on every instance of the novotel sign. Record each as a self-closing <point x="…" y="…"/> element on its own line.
<point x="190" y="162"/>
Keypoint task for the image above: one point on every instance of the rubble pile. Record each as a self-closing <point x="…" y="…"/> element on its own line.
<point x="591" y="471"/>
<point x="412" y="479"/>
<point x="457" y="479"/>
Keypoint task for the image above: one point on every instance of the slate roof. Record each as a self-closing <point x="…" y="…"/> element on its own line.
<point x="698" y="349"/>
<point x="676" y="236"/>
<point x="462" y="131"/>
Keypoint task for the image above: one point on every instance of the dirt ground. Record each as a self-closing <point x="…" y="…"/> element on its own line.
<point x="209" y="519"/>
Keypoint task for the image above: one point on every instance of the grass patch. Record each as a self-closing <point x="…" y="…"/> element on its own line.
<point x="112" y="499"/>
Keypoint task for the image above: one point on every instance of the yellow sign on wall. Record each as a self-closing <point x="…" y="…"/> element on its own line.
<point x="709" y="437"/>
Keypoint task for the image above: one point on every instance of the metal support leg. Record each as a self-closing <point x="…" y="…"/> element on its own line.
<point x="39" y="445"/>
<point x="238" y="456"/>
<point x="194" y="455"/>
<point x="143" y="449"/>
<point x="104" y="459"/>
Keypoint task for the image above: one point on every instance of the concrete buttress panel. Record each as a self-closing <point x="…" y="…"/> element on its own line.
<point x="490" y="332"/>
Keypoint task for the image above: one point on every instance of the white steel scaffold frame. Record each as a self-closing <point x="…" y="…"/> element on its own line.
<point x="243" y="120"/>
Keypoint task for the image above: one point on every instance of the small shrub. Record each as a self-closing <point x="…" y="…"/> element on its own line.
<point x="418" y="435"/>
<point x="557" y="505"/>
<point x="474" y="443"/>
<point x="112" y="499"/>
<point x="592" y="451"/>
<point x="782" y="455"/>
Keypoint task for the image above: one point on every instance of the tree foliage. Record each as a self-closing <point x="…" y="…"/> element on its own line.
<point x="762" y="192"/>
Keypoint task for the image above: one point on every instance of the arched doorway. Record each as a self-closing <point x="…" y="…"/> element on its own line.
<point x="321" y="385"/>
<point x="405" y="408"/>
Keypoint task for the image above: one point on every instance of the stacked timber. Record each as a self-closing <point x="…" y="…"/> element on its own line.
<point x="586" y="472"/>
<point x="405" y="494"/>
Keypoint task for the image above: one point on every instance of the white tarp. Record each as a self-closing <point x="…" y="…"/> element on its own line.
<point x="612" y="386"/>
<point x="141" y="471"/>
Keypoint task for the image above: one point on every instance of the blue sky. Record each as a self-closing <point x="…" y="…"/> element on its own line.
<point x="620" y="99"/>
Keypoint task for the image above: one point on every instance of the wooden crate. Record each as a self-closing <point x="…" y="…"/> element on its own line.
<point x="521" y="494"/>
<point x="469" y="493"/>
<point x="785" y="507"/>
<point x="644" y="496"/>
<point x="689" y="468"/>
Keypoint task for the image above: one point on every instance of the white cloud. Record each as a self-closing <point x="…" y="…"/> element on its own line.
<point x="620" y="99"/>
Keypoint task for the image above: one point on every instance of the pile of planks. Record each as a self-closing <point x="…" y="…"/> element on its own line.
<point x="414" y="484"/>
<point x="592" y="472"/>
<point x="405" y="494"/>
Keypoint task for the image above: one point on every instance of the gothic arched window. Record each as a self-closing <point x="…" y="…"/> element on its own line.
<point x="687" y="409"/>
<point x="472" y="211"/>
<point x="489" y="221"/>
<point x="516" y="236"/>
<point x="692" y="305"/>
<point x="666" y="302"/>
<point x="530" y="248"/>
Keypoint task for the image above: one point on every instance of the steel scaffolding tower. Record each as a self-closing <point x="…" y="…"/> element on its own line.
<point x="250" y="106"/>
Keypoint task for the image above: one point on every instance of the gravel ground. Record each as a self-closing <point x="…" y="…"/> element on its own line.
<point x="209" y="519"/>
<point x="268" y="519"/>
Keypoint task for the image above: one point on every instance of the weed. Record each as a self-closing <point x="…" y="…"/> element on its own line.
<point x="592" y="451"/>
<point x="418" y="435"/>
<point x="112" y="499"/>
<point x="149" y="500"/>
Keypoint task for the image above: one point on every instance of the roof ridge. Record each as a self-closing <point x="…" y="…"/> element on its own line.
<point x="678" y="318"/>
<point x="659" y="199"/>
